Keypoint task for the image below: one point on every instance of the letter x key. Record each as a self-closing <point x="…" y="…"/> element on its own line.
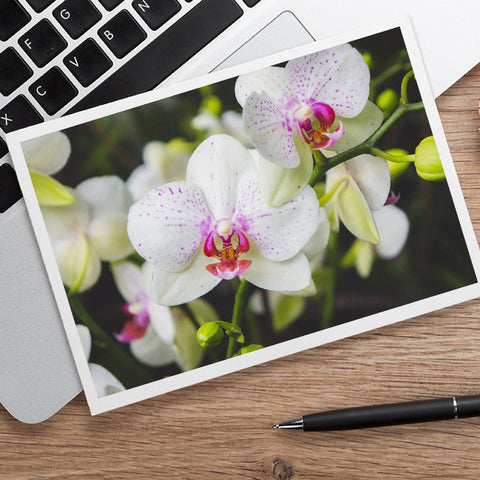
<point x="19" y="113"/>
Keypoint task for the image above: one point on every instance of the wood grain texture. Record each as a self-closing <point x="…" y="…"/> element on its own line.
<point x="221" y="429"/>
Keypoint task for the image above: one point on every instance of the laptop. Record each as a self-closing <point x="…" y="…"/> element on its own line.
<point x="62" y="56"/>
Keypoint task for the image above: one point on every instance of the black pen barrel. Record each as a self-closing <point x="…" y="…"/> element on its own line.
<point x="391" y="414"/>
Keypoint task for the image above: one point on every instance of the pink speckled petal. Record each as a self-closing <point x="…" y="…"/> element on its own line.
<point x="168" y="225"/>
<point x="176" y="288"/>
<point x="268" y="128"/>
<point x="279" y="233"/>
<point x="272" y="81"/>
<point x="216" y="166"/>
<point x="337" y="76"/>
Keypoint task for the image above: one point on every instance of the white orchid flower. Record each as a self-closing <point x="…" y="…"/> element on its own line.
<point x="393" y="228"/>
<point x="357" y="188"/>
<point x="321" y="98"/>
<point x="105" y="382"/>
<point x="46" y="156"/>
<point x="90" y="230"/>
<point x="218" y="215"/>
<point x="162" y="163"/>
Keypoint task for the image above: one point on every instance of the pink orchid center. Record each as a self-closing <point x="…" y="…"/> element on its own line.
<point x="314" y="123"/>
<point x="226" y="242"/>
<point x="137" y="326"/>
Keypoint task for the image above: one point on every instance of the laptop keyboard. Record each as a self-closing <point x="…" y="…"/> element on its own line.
<point x="64" y="56"/>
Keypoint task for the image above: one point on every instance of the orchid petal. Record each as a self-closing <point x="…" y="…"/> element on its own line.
<point x="47" y="154"/>
<point x="128" y="280"/>
<point x="289" y="275"/>
<point x="167" y="160"/>
<point x="337" y="76"/>
<point x="268" y="127"/>
<point x="105" y="383"/>
<point x="189" y="353"/>
<point x="162" y="321"/>
<point x="280" y="184"/>
<point x="281" y="232"/>
<point x="336" y="178"/>
<point x="109" y="201"/>
<point x="131" y="331"/>
<point x="168" y="225"/>
<point x="152" y="350"/>
<point x="271" y="80"/>
<point x="359" y="128"/>
<point x="142" y="180"/>
<point x="372" y="176"/>
<point x="216" y="166"/>
<point x="355" y="213"/>
<point x="85" y="339"/>
<point x="393" y="227"/>
<point x="315" y="247"/>
<point x="175" y="288"/>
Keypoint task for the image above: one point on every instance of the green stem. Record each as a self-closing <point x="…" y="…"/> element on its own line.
<point x="389" y="72"/>
<point x="123" y="359"/>
<point x="404" y="87"/>
<point x="392" y="158"/>
<point x="241" y="299"/>
<point x="329" y="304"/>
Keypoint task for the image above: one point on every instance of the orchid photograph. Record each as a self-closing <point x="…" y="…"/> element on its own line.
<point x="249" y="212"/>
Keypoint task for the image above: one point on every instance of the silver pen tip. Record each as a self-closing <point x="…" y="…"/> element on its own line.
<point x="276" y="426"/>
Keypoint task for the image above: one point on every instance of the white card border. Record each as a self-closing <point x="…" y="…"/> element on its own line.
<point x="99" y="405"/>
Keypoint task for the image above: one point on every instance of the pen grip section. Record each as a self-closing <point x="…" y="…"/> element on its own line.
<point x="381" y="415"/>
<point x="468" y="406"/>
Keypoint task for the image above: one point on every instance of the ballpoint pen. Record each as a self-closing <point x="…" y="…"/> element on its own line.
<point x="391" y="414"/>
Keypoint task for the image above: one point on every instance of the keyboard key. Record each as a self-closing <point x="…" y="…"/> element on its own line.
<point x="53" y="91"/>
<point x="39" y="5"/>
<point x="156" y="12"/>
<point x="251" y="3"/>
<point x="122" y="34"/>
<point x="198" y="27"/>
<point x="76" y="16"/>
<point x="12" y="18"/>
<point x="13" y="71"/>
<point x="42" y="43"/>
<point x="3" y="148"/>
<point x="10" y="192"/>
<point x="87" y="62"/>
<point x="19" y="113"/>
<point x="110" y="4"/>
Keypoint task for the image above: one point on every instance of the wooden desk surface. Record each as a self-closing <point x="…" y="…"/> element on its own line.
<point x="221" y="429"/>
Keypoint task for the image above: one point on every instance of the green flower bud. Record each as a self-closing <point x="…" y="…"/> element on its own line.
<point x="367" y="57"/>
<point x="248" y="349"/>
<point x="427" y="160"/>
<point x="209" y="335"/>
<point x="396" y="168"/>
<point x="387" y="100"/>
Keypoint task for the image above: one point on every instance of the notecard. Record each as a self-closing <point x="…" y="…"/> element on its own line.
<point x="216" y="224"/>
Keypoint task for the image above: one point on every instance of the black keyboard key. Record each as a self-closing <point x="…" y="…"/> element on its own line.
<point x="110" y="4"/>
<point x="3" y="148"/>
<point x="122" y="34"/>
<point x="13" y="71"/>
<point x="251" y="3"/>
<point x="156" y="12"/>
<point x="12" y="18"/>
<point x="87" y="62"/>
<point x="19" y="113"/>
<point x="39" y="5"/>
<point x="76" y="16"/>
<point x="42" y="43"/>
<point x="166" y="53"/>
<point x="53" y="91"/>
<point x="10" y="192"/>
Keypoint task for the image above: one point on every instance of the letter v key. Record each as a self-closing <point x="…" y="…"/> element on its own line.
<point x="87" y="62"/>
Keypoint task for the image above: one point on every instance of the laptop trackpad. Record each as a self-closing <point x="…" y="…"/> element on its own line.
<point x="280" y="34"/>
